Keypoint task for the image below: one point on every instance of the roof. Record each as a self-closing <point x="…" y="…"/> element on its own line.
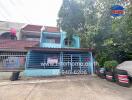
<point x="60" y="49"/>
<point x="15" y="45"/>
<point x="51" y="29"/>
<point x="37" y="28"/>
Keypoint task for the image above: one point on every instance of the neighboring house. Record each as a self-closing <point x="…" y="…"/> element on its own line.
<point x="5" y="28"/>
<point x="24" y="31"/>
<point x="32" y="32"/>
<point x="13" y="54"/>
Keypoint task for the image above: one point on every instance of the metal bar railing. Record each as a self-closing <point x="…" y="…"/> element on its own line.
<point x="10" y="61"/>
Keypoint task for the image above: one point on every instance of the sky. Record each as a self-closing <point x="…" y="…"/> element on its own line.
<point x="38" y="12"/>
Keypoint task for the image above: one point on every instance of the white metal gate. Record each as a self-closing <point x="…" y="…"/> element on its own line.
<point x="75" y="64"/>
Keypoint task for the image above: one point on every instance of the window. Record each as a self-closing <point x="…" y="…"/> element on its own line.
<point x="68" y="42"/>
<point x="51" y="39"/>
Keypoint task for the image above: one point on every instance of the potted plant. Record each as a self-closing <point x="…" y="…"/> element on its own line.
<point x="110" y="67"/>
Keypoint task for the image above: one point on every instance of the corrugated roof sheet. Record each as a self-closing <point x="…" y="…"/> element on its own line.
<point x="37" y="28"/>
<point x="16" y="45"/>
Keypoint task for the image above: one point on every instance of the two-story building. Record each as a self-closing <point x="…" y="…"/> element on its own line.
<point x="55" y="57"/>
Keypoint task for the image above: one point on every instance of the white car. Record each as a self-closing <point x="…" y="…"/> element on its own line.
<point x="127" y="66"/>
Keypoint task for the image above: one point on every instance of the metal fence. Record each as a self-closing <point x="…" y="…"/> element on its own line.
<point x="12" y="61"/>
<point x="68" y="63"/>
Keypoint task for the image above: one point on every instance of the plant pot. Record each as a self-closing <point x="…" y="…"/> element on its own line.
<point x="122" y="78"/>
<point x="15" y="76"/>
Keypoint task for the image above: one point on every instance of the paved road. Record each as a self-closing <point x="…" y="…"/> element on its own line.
<point x="63" y="88"/>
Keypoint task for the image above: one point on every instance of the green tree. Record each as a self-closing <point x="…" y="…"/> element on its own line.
<point x="71" y="17"/>
<point x="111" y="37"/>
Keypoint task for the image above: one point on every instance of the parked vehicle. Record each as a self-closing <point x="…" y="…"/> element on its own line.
<point x="127" y="66"/>
<point x="123" y="73"/>
<point x="100" y="72"/>
<point x="122" y="78"/>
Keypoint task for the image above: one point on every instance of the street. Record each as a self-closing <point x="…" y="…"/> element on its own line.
<point x="83" y="87"/>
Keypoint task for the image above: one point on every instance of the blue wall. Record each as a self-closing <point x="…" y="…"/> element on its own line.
<point x="35" y="58"/>
<point x="42" y="72"/>
<point x="63" y="35"/>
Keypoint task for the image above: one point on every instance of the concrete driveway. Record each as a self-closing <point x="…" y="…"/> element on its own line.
<point x="63" y="88"/>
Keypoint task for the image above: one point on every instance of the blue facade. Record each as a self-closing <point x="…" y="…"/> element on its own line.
<point x="57" y="40"/>
<point x="59" y="58"/>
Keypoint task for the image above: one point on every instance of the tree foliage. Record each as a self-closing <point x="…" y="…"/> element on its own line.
<point x="91" y="19"/>
<point x="71" y="16"/>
